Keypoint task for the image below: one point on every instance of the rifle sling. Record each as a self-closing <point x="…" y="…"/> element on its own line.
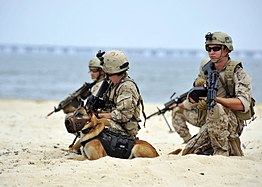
<point x="224" y="85"/>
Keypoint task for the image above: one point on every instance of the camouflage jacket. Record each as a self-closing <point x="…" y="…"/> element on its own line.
<point x="124" y="98"/>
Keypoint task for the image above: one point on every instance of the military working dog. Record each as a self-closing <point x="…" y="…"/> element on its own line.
<point x="98" y="141"/>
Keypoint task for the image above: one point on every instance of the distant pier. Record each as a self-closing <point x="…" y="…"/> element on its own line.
<point x="68" y="50"/>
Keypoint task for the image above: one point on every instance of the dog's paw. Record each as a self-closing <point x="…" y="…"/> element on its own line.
<point x="73" y="155"/>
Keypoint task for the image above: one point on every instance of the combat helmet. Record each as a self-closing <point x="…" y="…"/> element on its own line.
<point x="220" y="38"/>
<point x="115" y="61"/>
<point x="95" y="63"/>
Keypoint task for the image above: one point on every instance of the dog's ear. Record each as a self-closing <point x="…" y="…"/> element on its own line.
<point x="93" y="122"/>
<point x="94" y="119"/>
<point x="86" y="115"/>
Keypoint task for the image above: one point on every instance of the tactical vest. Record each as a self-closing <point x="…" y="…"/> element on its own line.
<point x="229" y="86"/>
<point x="230" y="89"/>
<point x="111" y="100"/>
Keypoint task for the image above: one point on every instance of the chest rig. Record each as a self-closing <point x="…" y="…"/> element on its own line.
<point x="112" y="94"/>
<point x="229" y="85"/>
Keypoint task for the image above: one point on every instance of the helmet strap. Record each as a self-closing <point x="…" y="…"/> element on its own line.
<point x="101" y="75"/>
<point x="221" y="57"/>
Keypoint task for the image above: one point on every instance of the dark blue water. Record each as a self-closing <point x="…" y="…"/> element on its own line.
<point x="55" y="76"/>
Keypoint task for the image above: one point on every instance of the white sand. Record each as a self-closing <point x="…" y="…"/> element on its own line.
<point x="32" y="154"/>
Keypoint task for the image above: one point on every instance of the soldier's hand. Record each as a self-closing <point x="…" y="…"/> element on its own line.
<point x="173" y="106"/>
<point x="178" y="109"/>
<point x="105" y="115"/>
<point x="202" y="105"/>
<point x="199" y="82"/>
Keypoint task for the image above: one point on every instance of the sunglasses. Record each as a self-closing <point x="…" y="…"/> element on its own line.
<point x="93" y="70"/>
<point x="215" y="49"/>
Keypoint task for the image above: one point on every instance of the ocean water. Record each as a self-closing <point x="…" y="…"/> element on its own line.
<point x="55" y="76"/>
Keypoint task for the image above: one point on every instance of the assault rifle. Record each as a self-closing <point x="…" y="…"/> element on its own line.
<point x="167" y="105"/>
<point x="195" y="93"/>
<point x="97" y="102"/>
<point x="210" y="91"/>
<point x="83" y="92"/>
<point x="212" y="85"/>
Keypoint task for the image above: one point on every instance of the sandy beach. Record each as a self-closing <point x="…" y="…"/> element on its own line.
<point x="33" y="149"/>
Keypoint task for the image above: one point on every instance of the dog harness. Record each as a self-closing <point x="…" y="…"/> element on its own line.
<point x="115" y="144"/>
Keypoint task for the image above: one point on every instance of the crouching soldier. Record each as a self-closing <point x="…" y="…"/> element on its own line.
<point x="224" y="117"/>
<point x="123" y="95"/>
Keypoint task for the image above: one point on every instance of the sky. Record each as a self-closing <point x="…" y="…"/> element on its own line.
<point x="133" y="24"/>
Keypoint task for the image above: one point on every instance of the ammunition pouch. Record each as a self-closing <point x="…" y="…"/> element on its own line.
<point x="116" y="145"/>
<point x="249" y="114"/>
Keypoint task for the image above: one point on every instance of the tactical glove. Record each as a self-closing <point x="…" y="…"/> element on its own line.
<point x="199" y="82"/>
<point x="202" y="105"/>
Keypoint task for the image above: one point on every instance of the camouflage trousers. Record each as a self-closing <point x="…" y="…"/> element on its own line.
<point x="218" y="136"/>
<point x="130" y="128"/>
<point x="180" y="118"/>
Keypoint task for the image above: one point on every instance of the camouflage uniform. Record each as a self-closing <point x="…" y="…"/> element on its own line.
<point x="124" y="99"/>
<point x="222" y="129"/>
<point x="96" y="87"/>
<point x="180" y="118"/>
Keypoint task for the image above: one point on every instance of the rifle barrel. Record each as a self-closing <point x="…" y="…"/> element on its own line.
<point x="168" y="104"/>
<point x="160" y="111"/>
<point x="153" y="115"/>
<point x="49" y="114"/>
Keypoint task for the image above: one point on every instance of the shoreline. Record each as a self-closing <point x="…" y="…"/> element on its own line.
<point x="32" y="153"/>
